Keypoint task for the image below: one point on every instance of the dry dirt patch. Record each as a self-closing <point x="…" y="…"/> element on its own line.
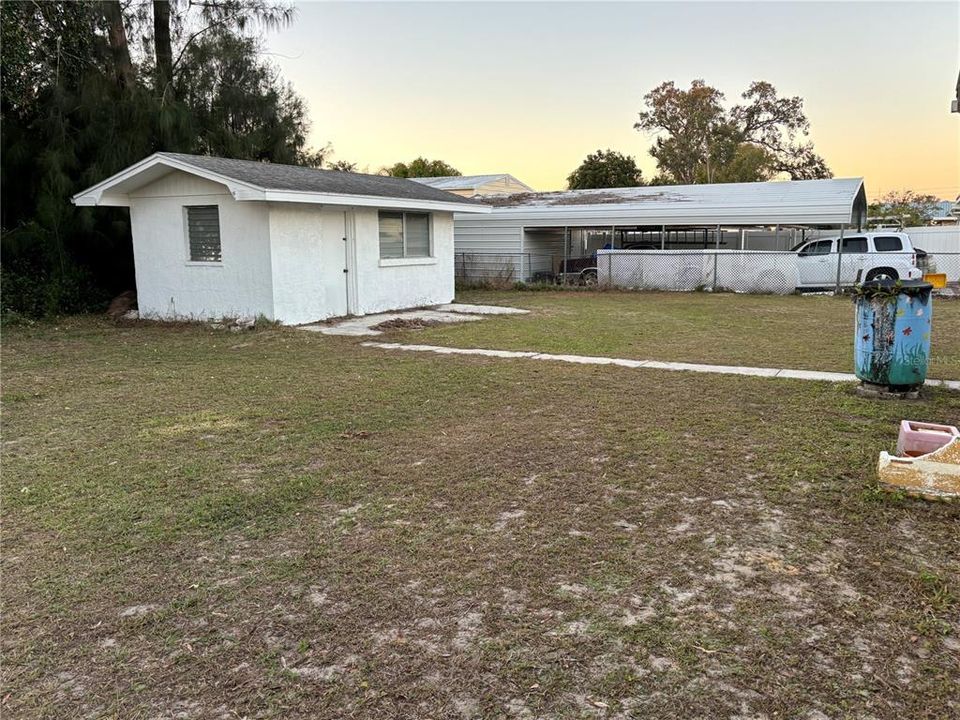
<point x="401" y="323"/>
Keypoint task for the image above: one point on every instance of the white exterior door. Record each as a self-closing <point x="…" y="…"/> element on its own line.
<point x="333" y="262"/>
<point x="350" y="261"/>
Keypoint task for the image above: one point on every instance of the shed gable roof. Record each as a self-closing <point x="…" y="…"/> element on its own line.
<point x="253" y="180"/>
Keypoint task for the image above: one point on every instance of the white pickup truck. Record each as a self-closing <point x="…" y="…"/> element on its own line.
<point x="866" y="256"/>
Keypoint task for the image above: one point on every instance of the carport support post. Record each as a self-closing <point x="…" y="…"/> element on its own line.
<point x="522" y="278"/>
<point x="613" y="246"/>
<point x="566" y="255"/>
<point x="839" y="259"/>
<point x="716" y="253"/>
<point x="663" y="237"/>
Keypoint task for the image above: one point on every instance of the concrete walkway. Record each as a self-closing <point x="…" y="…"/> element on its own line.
<point x="655" y="364"/>
<point x="449" y="313"/>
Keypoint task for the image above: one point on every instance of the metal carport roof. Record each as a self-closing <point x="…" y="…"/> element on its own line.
<point x="466" y="182"/>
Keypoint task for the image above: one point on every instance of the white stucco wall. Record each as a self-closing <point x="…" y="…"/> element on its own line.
<point x="393" y="284"/>
<point x="169" y="286"/>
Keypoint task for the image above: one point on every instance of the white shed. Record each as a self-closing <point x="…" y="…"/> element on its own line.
<point x="472" y="185"/>
<point x="215" y="238"/>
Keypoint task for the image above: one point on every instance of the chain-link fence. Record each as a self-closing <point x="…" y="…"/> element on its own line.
<point x="504" y="268"/>
<point x="761" y="271"/>
<point x="757" y="271"/>
<point x="749" y="271"/>
<point x="946" y="263"/>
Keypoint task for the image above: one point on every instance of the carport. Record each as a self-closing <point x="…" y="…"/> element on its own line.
<point x="532" y="232"/>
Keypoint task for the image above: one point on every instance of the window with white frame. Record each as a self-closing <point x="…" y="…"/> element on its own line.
<point x="203" y="233"/>
<point x="404" y="235"/>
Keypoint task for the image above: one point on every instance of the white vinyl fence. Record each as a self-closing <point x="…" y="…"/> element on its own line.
<point x="936" y="240"/>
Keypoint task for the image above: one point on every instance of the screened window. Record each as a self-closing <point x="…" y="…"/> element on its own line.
<point x="203" y="232"/>
<point x="855" y="245"/>
<point x="404" y="235"/>
<point x="417" y="228"/>
<point x="888" y="244"/>
<point x="391" y="235"/>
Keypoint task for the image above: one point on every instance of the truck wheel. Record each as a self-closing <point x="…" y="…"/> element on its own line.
<point x="882" y="274"/>
<point x="588" y="277"/>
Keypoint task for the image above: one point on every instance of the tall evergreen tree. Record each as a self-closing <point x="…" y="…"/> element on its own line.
<point x="87" y="88"/>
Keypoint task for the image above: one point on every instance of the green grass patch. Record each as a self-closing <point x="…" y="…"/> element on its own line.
<point x="801" y="332"/>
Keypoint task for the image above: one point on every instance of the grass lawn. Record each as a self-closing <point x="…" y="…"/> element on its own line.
<point x="205" y="524"/>
<point x="803" y="332"/>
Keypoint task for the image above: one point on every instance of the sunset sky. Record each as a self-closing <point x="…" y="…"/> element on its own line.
<point x="531" y="88"/>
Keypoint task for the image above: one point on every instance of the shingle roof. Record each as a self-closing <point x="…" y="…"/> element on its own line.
<point x="272" y="176"/>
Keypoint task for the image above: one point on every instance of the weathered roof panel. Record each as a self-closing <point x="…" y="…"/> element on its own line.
<point x="464" y="182"/>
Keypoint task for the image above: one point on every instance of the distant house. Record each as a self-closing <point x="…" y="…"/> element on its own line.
<point x="217" y="238"/>
<point x="470" y="185"/>
<point x="948" y="213"/>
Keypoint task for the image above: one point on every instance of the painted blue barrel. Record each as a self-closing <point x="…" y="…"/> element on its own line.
<point x="892" y="342"/>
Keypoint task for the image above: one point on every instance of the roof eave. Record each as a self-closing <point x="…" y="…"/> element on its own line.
<point x="316" y="198"/>
<point x="99" y="194"/>
<point x="587" y="215"/>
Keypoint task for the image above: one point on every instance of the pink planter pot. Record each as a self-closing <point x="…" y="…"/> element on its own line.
<point x="919" y="438"/>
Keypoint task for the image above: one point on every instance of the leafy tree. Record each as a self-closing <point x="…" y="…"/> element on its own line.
<point x="662" y="179"/>
<point x="909" y="207"/>
<point x="749" y="163"/>
<point x="87" y="88"/>
<point x="694" y="126"/>
<point x="779" y="126"/>
<point x="605" y="169"/>
<point x="421" y="167"/>
<point x="699" y="140"/>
